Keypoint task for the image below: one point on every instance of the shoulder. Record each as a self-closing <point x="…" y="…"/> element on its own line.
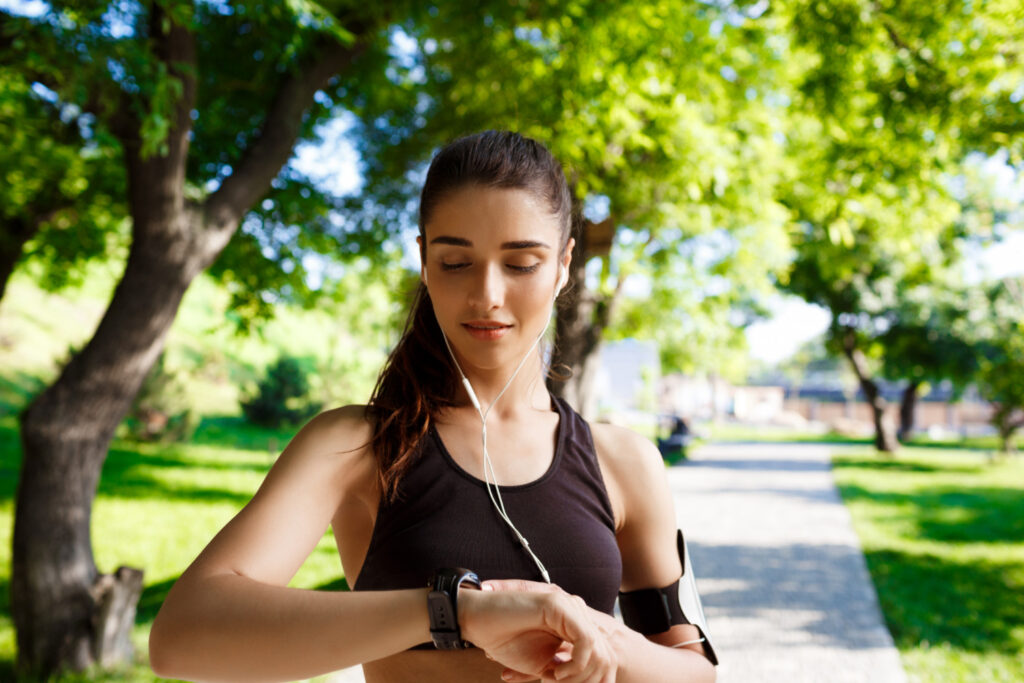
<point x="632" y="460"/>
<point x="646" y="527"/>
<point x="338" y="427"/>
<point x="336" y="442"/>
<point x="631" y="465"/>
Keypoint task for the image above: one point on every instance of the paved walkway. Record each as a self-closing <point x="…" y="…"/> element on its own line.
<point x="785" y="587"/>
<point x="784" y="584"/>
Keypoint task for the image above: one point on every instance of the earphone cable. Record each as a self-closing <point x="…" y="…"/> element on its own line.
<point x="499" y="504"/>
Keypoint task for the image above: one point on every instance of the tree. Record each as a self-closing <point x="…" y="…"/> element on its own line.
<point x="1001" y="351"/>
<point x="890" y="100"/>
<point x="205" y="103"/>
<point x="925" y="345"/>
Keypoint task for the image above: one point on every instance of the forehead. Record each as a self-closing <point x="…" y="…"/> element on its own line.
<point x="486" y="215"/>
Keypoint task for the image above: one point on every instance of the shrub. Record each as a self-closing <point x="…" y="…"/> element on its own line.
<point x="161" y="410"/>
<point x="282" y="396"/>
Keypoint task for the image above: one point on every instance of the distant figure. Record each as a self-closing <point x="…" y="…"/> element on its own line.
<point x="674" y="447"/>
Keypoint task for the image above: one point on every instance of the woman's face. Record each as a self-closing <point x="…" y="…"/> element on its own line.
<point x="491" y="268"/>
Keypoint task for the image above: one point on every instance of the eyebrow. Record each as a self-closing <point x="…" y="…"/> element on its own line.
<point x="462" y="242"/>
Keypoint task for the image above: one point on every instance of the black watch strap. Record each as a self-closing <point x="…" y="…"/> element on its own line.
<point x="442" y="606"/>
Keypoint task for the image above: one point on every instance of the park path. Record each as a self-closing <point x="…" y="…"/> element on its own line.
<point x="785" y="587"/>
<point x="784" y="583"/>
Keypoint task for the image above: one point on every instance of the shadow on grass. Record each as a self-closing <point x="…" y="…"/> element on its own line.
<point x="128" y="474"/>
<point x="334" y="585"/>
<point x="932" y="599"/>
<point x="152" y="597"/>
<point x="894" y="464"/>
<point x="17" y="389"/>
<point x="950" y="514"/>
<point x="234" y="431"/>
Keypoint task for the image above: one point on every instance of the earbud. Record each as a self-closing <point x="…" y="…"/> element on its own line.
<point x="424" y="277"/>
<point x="562" y="280"/>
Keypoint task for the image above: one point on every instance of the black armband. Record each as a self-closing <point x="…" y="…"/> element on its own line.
<point x="656" y="610"/>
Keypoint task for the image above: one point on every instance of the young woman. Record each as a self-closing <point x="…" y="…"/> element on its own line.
<point x="461" y="459"/>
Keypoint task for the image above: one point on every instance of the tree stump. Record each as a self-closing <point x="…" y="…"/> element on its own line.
<point x="116" y="598"/>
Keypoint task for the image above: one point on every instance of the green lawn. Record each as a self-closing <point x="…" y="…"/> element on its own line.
<point x="156" y="509"/>
<point x="943" y="534"/>
<point x="942" y="530"/>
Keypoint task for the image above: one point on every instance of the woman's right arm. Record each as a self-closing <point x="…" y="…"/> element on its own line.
<point x="231" y="617"/>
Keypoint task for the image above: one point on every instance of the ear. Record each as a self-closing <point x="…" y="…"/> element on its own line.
<point x="423" y="266"/>
<point x="566" y="262"/>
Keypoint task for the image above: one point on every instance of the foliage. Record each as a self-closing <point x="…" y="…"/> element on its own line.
<point x="889" y="102"/>
<point x="162" y="410"/>
<point x="62" y="186"/>
<point x="97" y="75"/>
<point x="942" y="534"/>
<point x="661" y="114"/>
<point x="1001" y="358"/>
<point x="282" y="396"/>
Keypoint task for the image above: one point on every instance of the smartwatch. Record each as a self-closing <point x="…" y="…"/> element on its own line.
<point x="442" y="603"/>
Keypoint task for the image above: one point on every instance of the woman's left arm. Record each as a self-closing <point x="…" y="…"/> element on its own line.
<point x="646" y="537"/>
<point x="650" y="558"/>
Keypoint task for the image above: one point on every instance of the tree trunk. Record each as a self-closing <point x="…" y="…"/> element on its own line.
<point x="58" y="596"/>
<point x="582" y="317"/>
<point x="884" y="439"/>
<point x="1004" y="422"/>
<point x="66" y="614"/>
<point x="908" y="408"/>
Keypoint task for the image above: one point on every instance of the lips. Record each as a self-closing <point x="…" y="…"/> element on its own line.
<point x="486" y="330"/>
<point x="485" y="324"/>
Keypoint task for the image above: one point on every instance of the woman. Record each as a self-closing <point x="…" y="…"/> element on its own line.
<point x="436" y="472"/>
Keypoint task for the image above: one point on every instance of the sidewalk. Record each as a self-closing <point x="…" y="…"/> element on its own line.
<point x="785" y="587"/>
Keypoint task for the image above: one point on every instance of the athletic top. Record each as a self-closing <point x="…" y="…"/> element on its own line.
<point x="444" y="518"/>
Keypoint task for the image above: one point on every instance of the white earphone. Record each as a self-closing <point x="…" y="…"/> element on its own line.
<point x="495" y="496"/>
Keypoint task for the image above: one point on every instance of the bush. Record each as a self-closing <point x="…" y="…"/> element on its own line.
<point x="282" y="396"/>
<point x="161" y="410"/>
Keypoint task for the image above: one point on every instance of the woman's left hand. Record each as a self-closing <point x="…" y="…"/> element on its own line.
<point x="561" y="664"/>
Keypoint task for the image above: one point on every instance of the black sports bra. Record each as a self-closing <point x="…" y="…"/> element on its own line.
<point x="444" y="518"/>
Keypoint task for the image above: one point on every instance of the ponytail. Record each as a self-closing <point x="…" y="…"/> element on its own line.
<point x="417" y="382"/>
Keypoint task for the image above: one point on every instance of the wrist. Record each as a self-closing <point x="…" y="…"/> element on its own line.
<point x="443" y="606"/>
<point x="625" y="642"/>
<point x="469" y="604"/>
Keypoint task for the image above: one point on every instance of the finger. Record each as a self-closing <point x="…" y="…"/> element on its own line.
<point x="601" y="669"/>
<point x="577" y="628"/>
<point x="519" y="585"/>
<point x="513" y="676"/>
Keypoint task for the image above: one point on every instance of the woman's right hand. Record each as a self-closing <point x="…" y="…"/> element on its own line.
<point x="525" y="624"/>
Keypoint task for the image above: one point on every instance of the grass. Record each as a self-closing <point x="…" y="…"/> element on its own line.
<point x="156" y="508"/>
<point x="727" y="431"/>
<point x="943" y="534"/>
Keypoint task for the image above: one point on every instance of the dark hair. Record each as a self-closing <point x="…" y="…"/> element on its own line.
<point x="419" y="378"/>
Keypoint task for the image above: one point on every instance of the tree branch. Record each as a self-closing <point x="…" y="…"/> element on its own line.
<point x="261" y="162"/>
<point x="156" y="182"/>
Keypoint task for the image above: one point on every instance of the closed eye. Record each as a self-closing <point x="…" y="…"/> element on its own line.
<point x="518" y="269"/>
<point x="525" y="269"/>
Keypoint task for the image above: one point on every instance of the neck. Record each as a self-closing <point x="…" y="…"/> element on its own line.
<point x="526" y="391"/>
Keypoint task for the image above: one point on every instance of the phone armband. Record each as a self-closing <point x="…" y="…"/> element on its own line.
<point x="656" y="610"/>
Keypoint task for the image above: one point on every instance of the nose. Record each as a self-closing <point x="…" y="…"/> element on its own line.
<point x="488" y="289"/>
